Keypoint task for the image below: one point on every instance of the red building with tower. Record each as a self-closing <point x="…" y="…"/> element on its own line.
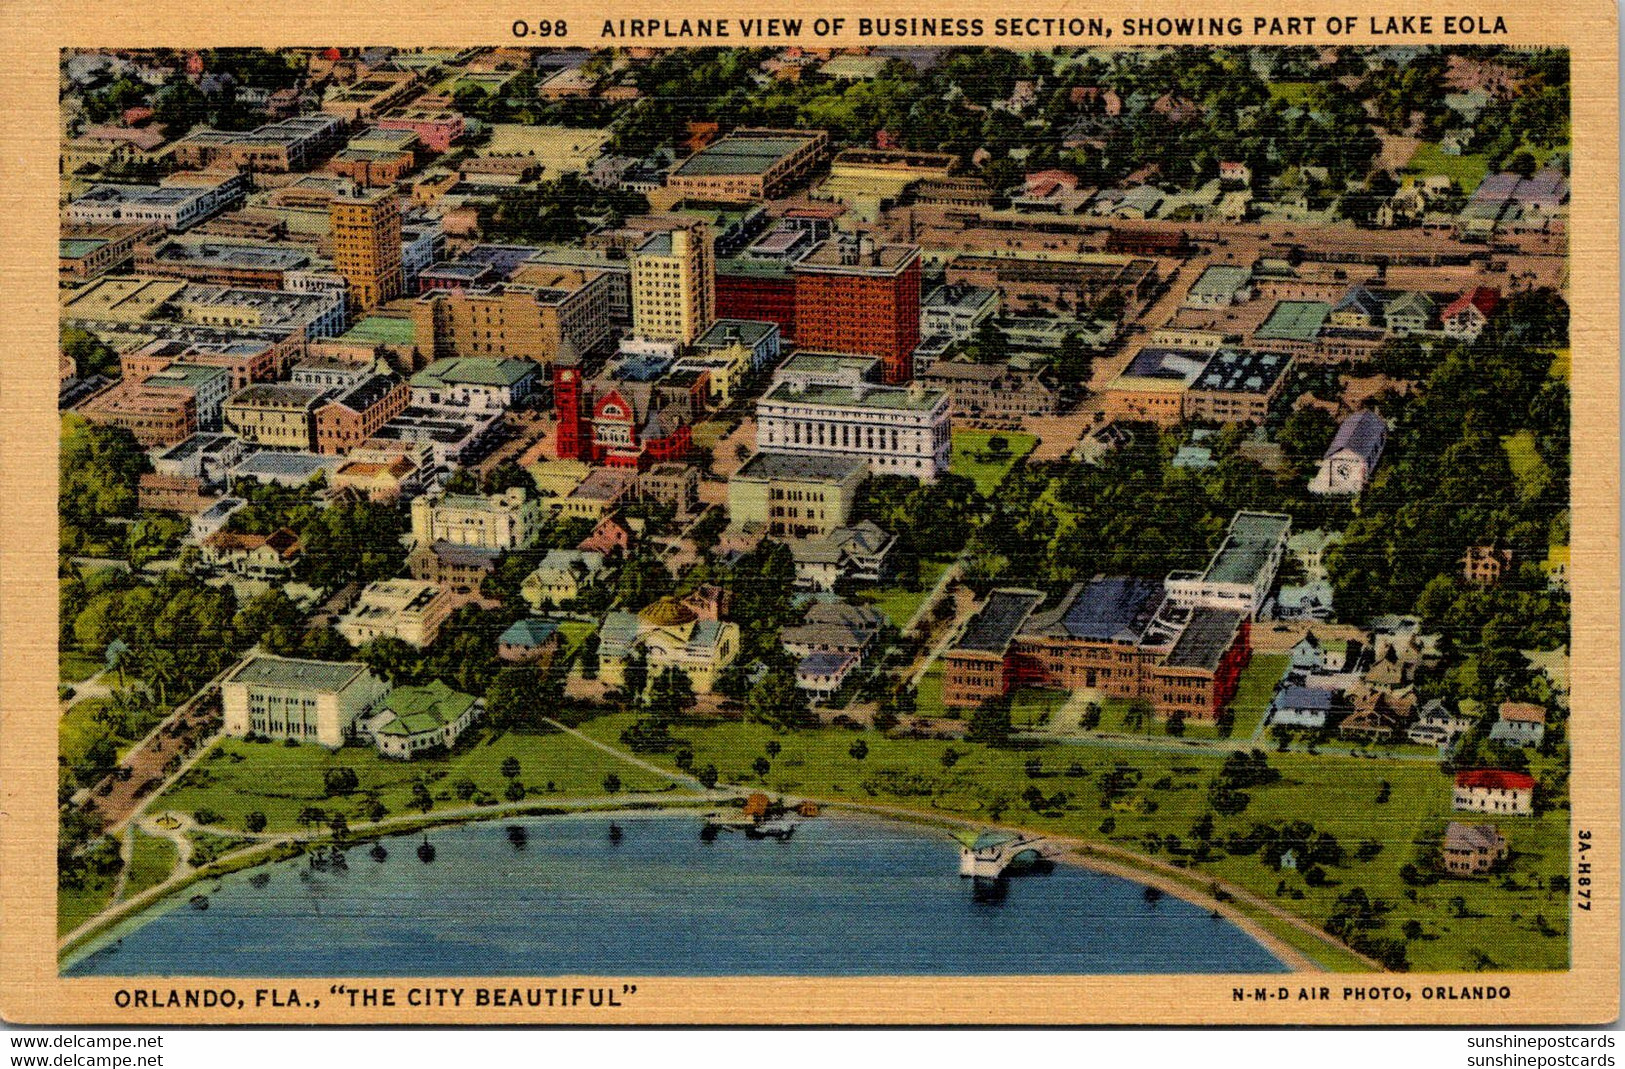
<point x="621" y="424"/>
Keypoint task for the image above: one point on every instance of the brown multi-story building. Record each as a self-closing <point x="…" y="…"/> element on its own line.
<point x="290" y="145"/>
<point x="351" y="417"/>
<point x="158" y="492"/>
<point x="750" y="165"/>
<point x="1122" y="637"/>
<point x="275" y="414"/>
<point x="247" y="361"/>
<point x="979" y="667"/>
<point x="366" y="232"/>
<point x="672" y="483"/>
<point x="853" y="296"/>
<point x="373" y="167"/>
<point x="88" y="250"/>
<point x="993" y="393"/>
<point x="1029" y="284"/>
<point x="555" y="310"/>
<point x="154" y="416"/>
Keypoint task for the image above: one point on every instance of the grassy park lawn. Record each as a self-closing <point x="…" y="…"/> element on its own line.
<point x="78" y="730"/>
<point x="76" y="666"/>
<point x="973" y="457"/>
<point x="239" y="777"/>
<point x="1335" y="793"/>
<point x="928" y="694"/>
<point x="900" y="603"/>
<point x="152" y="859"/>
<point x="76" y="905"/>
<point x="1465" y="171"/>
<point x="1255" y="690"/>
<point x="709" y="432"/>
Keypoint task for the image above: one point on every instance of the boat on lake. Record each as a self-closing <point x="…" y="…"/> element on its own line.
<point x="426" y="851"/>
<point x="773" y="828"/>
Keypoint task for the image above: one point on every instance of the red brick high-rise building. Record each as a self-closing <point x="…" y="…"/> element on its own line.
<point x="853" y="296"/>
<point x="762" y="290"/>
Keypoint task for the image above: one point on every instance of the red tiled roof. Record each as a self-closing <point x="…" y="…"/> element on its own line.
<point x="1484" y="298"/>
<point x="1491" y="779"/>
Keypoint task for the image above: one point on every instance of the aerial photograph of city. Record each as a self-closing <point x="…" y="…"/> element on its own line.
<point x="849" y="512"/>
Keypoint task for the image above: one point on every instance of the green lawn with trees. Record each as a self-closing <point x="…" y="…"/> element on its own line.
<point x="1352" y="824"/>
<point x="986" y="457"/>
<point x="152" y="859"/>
<point x="284" y="785"/>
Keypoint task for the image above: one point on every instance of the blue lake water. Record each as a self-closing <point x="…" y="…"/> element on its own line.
<point x="843" y="897"/>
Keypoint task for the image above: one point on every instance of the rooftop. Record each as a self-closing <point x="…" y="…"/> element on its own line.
<point x="1107" y="610"/>
<point x="998" y="620"/>
<point x="1205" y="639"/>
<point x="1247" y="547"/>
<point x="266" y="670"/>
<point x="1242" y="371"/>
<point x="1294" y="321"/>
<point x="799" y="467"/>
<point x="742" y="154"/>
<point x="474" y="371"/>
<point x="883" y="398"/>
<point x="725" y="332"/>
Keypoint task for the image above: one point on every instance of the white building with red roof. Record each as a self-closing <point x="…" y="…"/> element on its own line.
<point x="1494" y="791"/>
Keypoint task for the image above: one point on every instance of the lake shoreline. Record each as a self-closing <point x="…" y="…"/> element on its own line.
<point x="163" y="897"/>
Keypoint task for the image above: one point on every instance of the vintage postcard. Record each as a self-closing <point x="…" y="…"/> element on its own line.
<point x="709" y="514"/>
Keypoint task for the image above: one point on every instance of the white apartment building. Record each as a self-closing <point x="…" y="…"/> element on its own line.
<point x="509" y="520"/>
<point x="900" y="430"/>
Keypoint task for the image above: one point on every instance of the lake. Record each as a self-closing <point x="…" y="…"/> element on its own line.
<point x="845" y="896"/>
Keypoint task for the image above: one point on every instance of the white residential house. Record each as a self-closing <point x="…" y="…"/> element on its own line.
<point x="1348" y="463"/>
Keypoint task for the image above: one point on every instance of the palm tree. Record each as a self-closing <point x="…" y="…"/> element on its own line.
<point x="160" y="667"/>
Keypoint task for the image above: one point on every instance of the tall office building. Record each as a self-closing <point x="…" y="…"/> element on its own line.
<point x="674" y="285"/>
<point x="853" y="296"/>
<point x="366" y="229"/>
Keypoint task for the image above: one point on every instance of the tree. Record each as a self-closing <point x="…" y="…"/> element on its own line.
<point x="510" y="767"/>
<point x="179" y="106"/>
<point x="775" y="699"/>
<point x="587" y="656"/>
<point x="340" y="780"/>
<point x="761" y="766"/>
<point x="772" y="749"/>
<point x="707" y="776"/>
<point x="990" y="722"/>
<point x="90" y="355"/>
<point x="421" y="798"/>
<point x="521" y="696"/>
<point x="859" y="750"/>
<point x="988" y="344"/>
<point x="1175" y="725"/>
<point x="254" y="822"/>
<point x="671" y="695"/>
<point x="515" y="791"/>
<point x="1074" y="361"/>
